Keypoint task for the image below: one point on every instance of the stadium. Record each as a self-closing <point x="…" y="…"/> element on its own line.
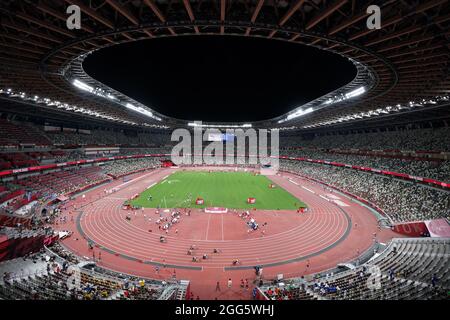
<point x="224" y="150"/>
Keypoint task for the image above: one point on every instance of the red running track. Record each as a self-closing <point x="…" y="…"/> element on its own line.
<point x="292" y="244"/>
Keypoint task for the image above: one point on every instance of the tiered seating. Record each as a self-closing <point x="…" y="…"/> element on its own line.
<point x="64" y="181"/>
<point x="20" y="202"/>
<point x="122" y="167"/>
<point x="101" y="137"/>
<point x="141" y="293"/>
<point x="56" y="279"/>
<point x="9" y="194"/>
<point x="418" y="139"/>
<point x="12" y="134"/>
<point x="434" y="169"/>
<point x="409" y="269"/>
<point x="414" y="202"/>
<point x="55" y="286"/>
<point x="404" y="271"/>
<point x="19" y="159"/>
<point x="15" y="233"/>
<point x="418" y="260"/>
<point x="4" y="164"/>
<point x="291" y="292"/>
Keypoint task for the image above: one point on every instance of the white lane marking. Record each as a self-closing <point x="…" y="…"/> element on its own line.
<point x="207" y="227"/>
<point x="222" y="226"/>
<point x="308" y="190"/>
<point x="341" y="203"/>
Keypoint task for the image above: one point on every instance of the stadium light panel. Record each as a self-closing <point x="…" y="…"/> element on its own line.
<point x="355" y="93"/>
<point x="298" y="113"/>
<point x="83" y="86"/>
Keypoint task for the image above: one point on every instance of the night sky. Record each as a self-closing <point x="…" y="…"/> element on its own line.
<point x="213" y="78"/>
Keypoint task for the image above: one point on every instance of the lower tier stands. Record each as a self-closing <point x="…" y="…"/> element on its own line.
<point x="49" y="276"/>
<point x="123" y="167"/>
<point x="433" y="169"/>
<point x="64" y="181"/>
<point x="400" y="200"/>
<point x="409" y="269"/>
<point x="17" y="242"/>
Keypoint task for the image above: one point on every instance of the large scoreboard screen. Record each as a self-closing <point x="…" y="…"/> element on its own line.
<point x="220" y="137"/>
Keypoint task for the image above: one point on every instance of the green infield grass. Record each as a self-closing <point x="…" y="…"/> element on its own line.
<point x="218" y="189"/>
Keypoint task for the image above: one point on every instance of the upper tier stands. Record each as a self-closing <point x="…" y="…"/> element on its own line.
<point x="419" y="139"/>
<point x="16" y="134"/>
<point x="101" y="137"/>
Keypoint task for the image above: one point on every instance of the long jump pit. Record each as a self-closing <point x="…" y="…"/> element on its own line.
<point x="207" y="248"/>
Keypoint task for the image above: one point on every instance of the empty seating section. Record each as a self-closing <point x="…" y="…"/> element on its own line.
<point x="16" y="134"/>
<point x="52" y="277"/>
<point x="409" y="269"/>
<point x="18" y="160"/>
<point x="109" y="138"/>
<point x="417" y="260"/>
<point x="64" y="181"/>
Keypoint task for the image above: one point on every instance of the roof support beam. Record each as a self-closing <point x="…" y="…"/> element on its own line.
<point x="407" y="43"/>
<point x="158" y="13"/>
<point x="222" y="15"/>
<point x="26" y="40"/>
<point x="44" y="24"/>
<point x="288" y="15"/>
<point x="348" y="23"/>
<point x="255" y="15"/>
<point x="187" y="6"/>
<point x="62" y="17"/>
<point x="123" y="11"/>
<point x="323" y="15"/>
<point x="24" y="29"/>
<point x="426" y="6"/>
<point x="92" y="13"/>
<point x="127" y="14"/>
<point x="59" y="15"/>
<point x="394" y="35"/>
<point x="291" y="11"/>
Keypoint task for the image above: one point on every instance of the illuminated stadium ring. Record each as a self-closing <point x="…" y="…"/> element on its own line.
<point x="400" y="68"/>
<point x="367" y="72"/>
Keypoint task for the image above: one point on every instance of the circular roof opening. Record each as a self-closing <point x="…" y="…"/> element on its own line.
<point x="225" y="78"/>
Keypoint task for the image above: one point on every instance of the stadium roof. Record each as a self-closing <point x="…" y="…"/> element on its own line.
<point x="401" y="68"/>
